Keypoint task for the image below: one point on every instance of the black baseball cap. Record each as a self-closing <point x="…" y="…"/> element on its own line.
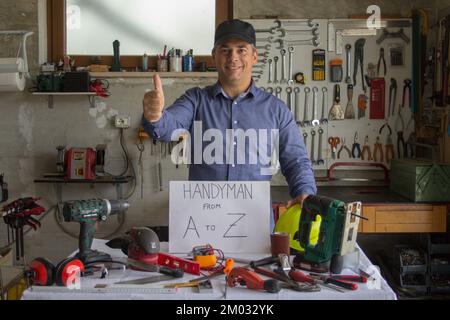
<point x="236" y="29"/>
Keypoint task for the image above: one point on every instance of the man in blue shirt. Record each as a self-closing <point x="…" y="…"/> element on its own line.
<point x="233" y="104"/>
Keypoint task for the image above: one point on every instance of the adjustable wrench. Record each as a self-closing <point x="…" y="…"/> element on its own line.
<point x="348" y="53"/>
<point x="319" y="155"/>
<point x="291" y="80"/>
<point x="323" y="118"/>
<point x="312" y="157"/>
<point x="306" y="122"/>
<point x="270" y="71"/>
<point x="283" y="66"/>
<point x="278" y="92"/>
<point x="315" y="121"/>
<point x="297" y="104"/>
<point x="289" y="98"/>
<point x="275" y="73"/>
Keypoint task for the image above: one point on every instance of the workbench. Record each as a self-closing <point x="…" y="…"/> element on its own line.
<point x="364" y="292"/>
<point x="387" y="211"/>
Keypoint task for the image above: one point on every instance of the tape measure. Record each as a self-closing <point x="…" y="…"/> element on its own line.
<point x="205" y="256"/>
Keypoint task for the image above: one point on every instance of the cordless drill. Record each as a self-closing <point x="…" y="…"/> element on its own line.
<point x="87" y="213"/>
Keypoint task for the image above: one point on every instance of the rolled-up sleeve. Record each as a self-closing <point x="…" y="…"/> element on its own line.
<point x="178" y="116"/>
<point x="294" y="160"/>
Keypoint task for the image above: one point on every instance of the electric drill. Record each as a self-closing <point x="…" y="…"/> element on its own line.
<point x="87" y="213"/>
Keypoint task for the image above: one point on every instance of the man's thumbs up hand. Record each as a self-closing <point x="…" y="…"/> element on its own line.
<point x="154" y="101"/>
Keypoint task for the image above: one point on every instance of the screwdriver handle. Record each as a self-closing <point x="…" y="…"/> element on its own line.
<point x="176" y="273"/>
<point x="299" y="276"/>
<point x="351" y="278"/>
<point x="228" y="266"/>
<point x="342" y="284"/>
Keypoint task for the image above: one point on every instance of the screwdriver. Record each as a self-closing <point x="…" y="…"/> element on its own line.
<point x="299" y="276"/>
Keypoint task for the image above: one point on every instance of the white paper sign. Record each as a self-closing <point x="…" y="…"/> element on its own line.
<point x="233" y="216"/>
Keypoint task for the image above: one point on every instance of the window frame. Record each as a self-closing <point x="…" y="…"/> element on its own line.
<point x="57" y="42"/>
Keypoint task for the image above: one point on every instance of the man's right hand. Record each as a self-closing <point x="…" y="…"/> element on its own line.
<point x="154" y="101"/>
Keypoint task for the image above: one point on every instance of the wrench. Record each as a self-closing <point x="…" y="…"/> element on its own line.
<point x="283" y="66"/>
<point x="263" y="89"/>
<point x="257" y="72"/>
<point x="314" y="31"/>
<point x="278" y="92"/>
<point x="259" y="66"/>
<point x="275" y="73"/>
<point x="315" y="42"/>
<point x="270" y="71"/>
<point x="289" y="98"/>
<point x="348" y="78"/>
<point x="264" y="61"/>
<point x="306" y="122"/>
<point x="296" y="104"/>
<point x="315" y="121"/>
<point x="291" y="80"/>
<point x="266" y="47"/>
<point x="268" y="39"/>
<point x="269" y="90"/>
<point x="265" y="54"/>
<point x="313" y="159"/>
<point x="308" y="23"/>
<point x="319" y="155"/>
<point x="271" y="30"/>
<point x="305" y="138"/>
<point x="323" y="119"/>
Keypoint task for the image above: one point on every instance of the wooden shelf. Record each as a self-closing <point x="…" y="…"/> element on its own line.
<point x="150" y="74"/>
<point x="51" y="94"/>
<point x="64" y="93"/>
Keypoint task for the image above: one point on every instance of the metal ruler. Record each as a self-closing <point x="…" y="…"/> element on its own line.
<point x="110" y="289"/>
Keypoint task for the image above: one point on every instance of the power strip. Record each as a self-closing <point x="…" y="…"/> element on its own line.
<point x="115" y="289"/>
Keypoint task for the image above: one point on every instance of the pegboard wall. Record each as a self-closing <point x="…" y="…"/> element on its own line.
<point x="273" y="36"/>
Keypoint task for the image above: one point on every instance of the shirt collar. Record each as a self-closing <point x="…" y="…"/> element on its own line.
<point x="217" y="89"/>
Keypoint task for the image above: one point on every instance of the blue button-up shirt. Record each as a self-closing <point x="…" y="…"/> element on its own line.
<point x="255" y="109"/>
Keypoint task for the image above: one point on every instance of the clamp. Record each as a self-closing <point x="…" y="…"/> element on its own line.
<point x="406" y="87"/>
<point x="366" y="149"/>
<point x="377" y="147"/>
<point x="356" y="148"/>
<point x="392" y="96"/>
<point x="344" y="147"/>
<point x="400" y="128"/>
<point x="359" y="59"/>
<point x="381" y="58"/>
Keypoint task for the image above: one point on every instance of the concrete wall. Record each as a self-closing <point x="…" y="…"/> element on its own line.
<point x="30" y="131"/>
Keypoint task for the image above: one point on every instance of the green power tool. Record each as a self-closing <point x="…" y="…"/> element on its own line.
<point x="337" y="236"/>
<point x="88" y="213"/>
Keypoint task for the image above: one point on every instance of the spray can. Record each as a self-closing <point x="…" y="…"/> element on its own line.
<point x="145" y="62"/>
<point x="188" y="62"/>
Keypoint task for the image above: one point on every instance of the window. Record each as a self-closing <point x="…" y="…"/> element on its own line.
<point x="84" y="29"/>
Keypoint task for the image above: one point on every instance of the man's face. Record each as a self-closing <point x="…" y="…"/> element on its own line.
<point x="234" y="60"/>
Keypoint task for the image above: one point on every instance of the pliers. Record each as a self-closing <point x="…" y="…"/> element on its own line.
<point x="366" y="149"/>
<point x="344" y="147"/>
<point x="400" y="127"/>
<point x="406" y="87"/>
<point x="389" y="149"/>
<point x="343" y="281"/>
<point x="359" y="59"/>
<point x="356" y="148"/>
<point x="392" y="96"/>
<point x="377" y="147"/>
<point x="381" y="58"/>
